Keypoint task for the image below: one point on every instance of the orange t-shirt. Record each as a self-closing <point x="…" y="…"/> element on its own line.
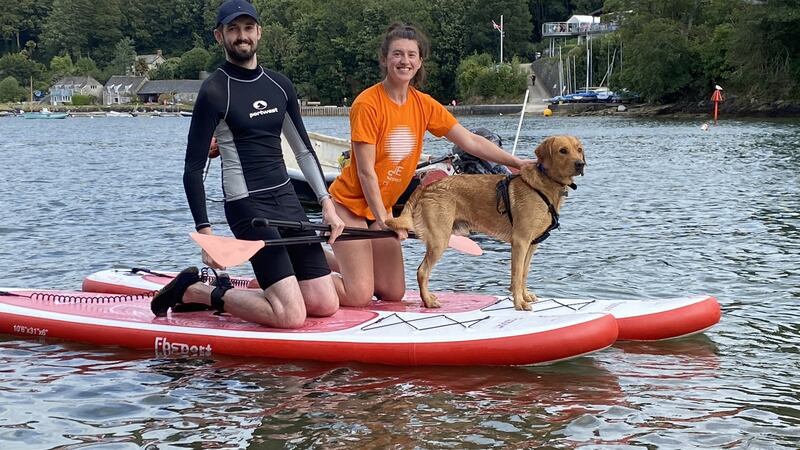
<point x="397" y="132"/>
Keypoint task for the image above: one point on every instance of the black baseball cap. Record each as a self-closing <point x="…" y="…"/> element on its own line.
<point x="232" y="9"/>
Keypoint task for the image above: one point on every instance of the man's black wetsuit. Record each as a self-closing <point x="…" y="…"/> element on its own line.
<point x="247" y="110"/>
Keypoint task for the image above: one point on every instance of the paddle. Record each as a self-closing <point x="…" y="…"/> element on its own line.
<point x="229" y="252"/>
<point x="462" y="244"/>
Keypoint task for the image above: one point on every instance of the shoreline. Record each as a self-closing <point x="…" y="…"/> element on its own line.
<point x="733" y="107"/>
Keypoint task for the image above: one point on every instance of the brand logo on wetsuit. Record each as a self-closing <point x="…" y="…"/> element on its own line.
<point x="261" y="106"/>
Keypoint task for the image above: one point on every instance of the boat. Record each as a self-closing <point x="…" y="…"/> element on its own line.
<point x="44" y="113"/>
<point x="185" y="113"/>
<point x="638" y="320"/>
<point x="118" y="114"/>
<point x="394" y="336"/>
<point x="329" y="151"/>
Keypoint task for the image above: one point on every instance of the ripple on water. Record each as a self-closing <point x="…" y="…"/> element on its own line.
<point x="664" y="210"/>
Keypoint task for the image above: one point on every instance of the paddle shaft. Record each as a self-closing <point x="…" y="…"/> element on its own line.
<point x="461" y="243"/>
<point x="295" y="240"/>
<point x="300" y="225"/>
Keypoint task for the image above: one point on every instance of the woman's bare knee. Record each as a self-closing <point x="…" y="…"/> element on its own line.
<point x="323" y="307"/>
<point x="357" y="298"/>
<point x="392" y="294"/>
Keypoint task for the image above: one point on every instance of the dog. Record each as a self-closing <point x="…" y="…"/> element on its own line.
<point x="521" y="209"/>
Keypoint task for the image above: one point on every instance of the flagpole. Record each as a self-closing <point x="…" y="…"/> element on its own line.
<point x="502" y="32"/>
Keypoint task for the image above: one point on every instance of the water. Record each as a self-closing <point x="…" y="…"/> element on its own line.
<point x="665" y="209"/>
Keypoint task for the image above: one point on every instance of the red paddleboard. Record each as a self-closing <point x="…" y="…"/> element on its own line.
<point x="400" y="337"/>
<point x="638" y="320"/>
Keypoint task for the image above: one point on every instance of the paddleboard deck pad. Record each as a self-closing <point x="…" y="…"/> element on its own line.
<point x="395" y="337"/>
<point x="638" y="320"/>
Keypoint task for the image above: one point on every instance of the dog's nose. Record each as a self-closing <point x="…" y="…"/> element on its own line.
<point x="579" y="165"/>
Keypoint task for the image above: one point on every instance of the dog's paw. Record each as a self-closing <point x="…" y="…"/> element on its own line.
<point x="522" y="306"/>
<point x="529" y="296"/>
<point x="431" y="301"/>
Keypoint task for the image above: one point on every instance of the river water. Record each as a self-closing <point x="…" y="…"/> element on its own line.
<point x="665" y="209"/>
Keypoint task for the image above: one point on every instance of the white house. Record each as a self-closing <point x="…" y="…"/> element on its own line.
<point x="122" y="89"/>
<point x="62" y="91"/>
<point x="152" y="61"/>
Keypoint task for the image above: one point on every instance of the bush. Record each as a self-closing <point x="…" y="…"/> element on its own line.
<point x="11" y="91"/>
<point x="166" y="71"/>
<point x="192" y="62"/>
<point x="80" y="100"/>
<point x="479" y="79"/>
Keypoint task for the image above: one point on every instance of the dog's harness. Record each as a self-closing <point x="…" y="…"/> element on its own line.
<point x="504" y="197"/>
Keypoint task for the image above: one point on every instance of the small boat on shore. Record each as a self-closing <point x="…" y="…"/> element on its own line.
<point x="44" y="114"/>
<point x="118" y="114"/>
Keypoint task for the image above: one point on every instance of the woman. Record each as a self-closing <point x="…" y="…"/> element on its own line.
<point x="387" y="125"/>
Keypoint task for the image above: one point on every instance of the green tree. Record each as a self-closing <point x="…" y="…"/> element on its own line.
<point x="86" y="66"/>
<point x="61" y="66"/>
<point x="67" y="27"/>
<point x="481" y="80"/>
<point x="483" y="38"/>
<point x="21" y="67"/>
<point x="124" y="57"/>
<point x="11" y="91"/>
<point x="192" y="62"/>
<point x="140" y="67"/>
<point x="765" y="50"/>
<point x="166" y="71"/>
<point x="448" y="34"/>
<point x="21" y="21"/>
<point x="83" y="27"/>
<point x="105" y="31"/>
<point x="658" y="64"/>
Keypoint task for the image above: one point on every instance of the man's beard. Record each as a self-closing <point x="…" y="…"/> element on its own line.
<point x="238" y="55"/>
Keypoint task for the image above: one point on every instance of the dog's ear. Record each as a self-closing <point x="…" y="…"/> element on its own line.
<point x="544" y="152"/>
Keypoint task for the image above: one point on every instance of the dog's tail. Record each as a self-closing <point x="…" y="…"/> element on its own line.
<point x="405" y="220"/>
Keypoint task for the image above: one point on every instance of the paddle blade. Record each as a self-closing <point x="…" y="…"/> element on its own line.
<point x="227" y="251"/>
<point x="465" y="245"/>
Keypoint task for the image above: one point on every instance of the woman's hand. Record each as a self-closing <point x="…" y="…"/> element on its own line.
<point x="381" y="223"/>
<point x="330" y="217"/>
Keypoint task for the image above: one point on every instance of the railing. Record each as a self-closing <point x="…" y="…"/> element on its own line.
<point x="325" y="110"/>
<point x="574" y="29"/>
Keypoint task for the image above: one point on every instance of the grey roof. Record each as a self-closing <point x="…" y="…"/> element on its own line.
<point x="121" y="83"/>
<point x="149" y="59"/>
<point x="167" y="86"/>
<point x="76" y="82"/>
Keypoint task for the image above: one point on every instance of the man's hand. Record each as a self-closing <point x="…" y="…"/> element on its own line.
<point x="208" y="260"/>
<point x="330" y="217"/>
<point x="213" y="149"/>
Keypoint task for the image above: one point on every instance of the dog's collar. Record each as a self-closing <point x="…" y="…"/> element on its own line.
<point x="541" y="169"/>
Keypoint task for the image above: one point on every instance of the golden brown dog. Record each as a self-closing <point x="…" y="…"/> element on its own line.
<point x="463" y="203"/>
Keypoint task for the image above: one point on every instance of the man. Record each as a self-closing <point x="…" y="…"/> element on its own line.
<point x="246" y="108"/>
